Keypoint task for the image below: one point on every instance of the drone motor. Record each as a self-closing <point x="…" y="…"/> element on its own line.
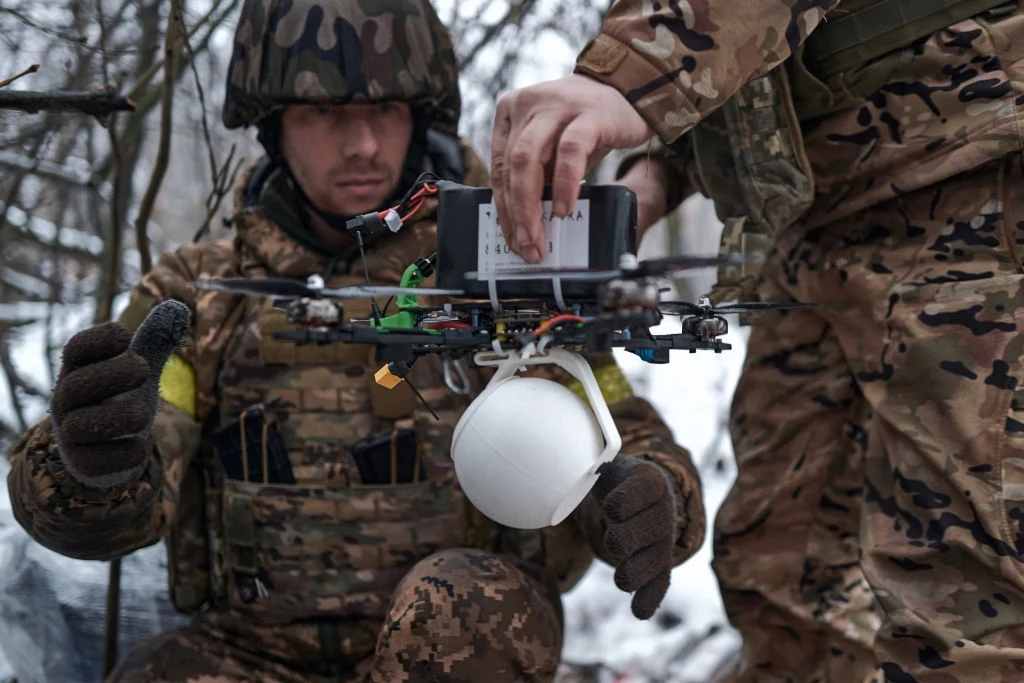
<point x="314" y="312"/>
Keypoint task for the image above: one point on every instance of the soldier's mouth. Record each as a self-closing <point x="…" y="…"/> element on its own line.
<point x="360" y="184"/>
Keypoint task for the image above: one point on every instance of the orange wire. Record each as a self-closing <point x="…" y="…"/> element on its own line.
<point x="548" y="324"/>
<point x="415" y="202"/>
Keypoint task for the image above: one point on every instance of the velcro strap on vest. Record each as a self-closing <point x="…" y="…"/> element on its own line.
<point x="240" y="532"/>
<point x="178" y="385"/>
<point x="852" y="37"/>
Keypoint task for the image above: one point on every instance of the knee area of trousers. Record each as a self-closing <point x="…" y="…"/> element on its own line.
<point x="461" y="581"/>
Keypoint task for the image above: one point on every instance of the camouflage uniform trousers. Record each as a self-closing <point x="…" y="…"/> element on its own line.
<point x="459" y="616"/>
<point x="874" y="529"/>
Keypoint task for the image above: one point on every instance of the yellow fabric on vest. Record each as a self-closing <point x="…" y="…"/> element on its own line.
<point x="178" y="385"/>
<point x="612" y="382"/>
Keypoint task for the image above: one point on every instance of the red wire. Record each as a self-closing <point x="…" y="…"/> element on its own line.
<point x="548" y="324"/>
<point x="415" y="202"/>
<point x="447" y="325"/>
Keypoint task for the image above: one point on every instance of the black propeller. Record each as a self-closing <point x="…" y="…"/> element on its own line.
<point x="689" y="308"/>
<point x="284" y="289"/>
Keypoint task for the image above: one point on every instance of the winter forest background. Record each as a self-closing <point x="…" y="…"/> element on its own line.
<point x="87" y="203"/>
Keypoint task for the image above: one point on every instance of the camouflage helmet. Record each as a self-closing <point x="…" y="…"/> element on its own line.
<point x="340" y="51"/>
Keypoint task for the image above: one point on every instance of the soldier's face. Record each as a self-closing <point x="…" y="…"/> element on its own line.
<point x="348" y="158"/>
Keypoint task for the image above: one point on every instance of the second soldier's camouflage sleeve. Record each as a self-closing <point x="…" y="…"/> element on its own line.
<point x="677" y="61"/>
<point x="102" y="524"/>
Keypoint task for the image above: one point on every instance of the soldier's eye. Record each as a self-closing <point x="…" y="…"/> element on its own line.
<point x="386" y="107"/>
<point x="323" y="107"/>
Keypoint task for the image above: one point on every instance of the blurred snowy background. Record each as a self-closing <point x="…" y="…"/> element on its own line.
<point x="84" y="207"/>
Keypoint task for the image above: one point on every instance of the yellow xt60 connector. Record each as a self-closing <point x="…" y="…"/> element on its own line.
<point x="386" y="378"/>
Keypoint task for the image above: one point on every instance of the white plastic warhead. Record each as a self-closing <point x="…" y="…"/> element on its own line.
<point x="628" y="262"/>
<point x="526" y="451"/>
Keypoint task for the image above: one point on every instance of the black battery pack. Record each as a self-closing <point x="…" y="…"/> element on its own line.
<point x="601" y="228"/>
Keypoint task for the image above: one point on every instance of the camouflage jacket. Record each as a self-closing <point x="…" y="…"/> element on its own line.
<point x="773" y="137"/>
<point x="230" y="540"/>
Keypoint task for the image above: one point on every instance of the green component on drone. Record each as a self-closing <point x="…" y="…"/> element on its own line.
<point x="405" y="319"/>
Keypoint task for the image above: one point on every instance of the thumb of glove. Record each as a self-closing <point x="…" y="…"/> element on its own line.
<point x="160" y="333"/>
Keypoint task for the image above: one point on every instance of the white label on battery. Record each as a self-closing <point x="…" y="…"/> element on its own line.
<point x="567" y="241"/>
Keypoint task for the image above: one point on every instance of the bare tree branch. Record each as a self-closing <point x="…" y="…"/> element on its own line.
<point x="15" y="382"/>
<point x="224" y="180"/>
<point x="163" y="151"/>
<point x="105" y="300"/>
<point x="100" y="103"/>
<point x="202" y="97"/>
<point x="147" y="76"/>
<point x="31" y="70"/>
<point x="515" y="14"/>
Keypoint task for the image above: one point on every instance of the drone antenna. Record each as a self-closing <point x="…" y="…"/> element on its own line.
<point x="362" y="255"/>
<point x="422" y="400"/>
<point x="397" y="371"/>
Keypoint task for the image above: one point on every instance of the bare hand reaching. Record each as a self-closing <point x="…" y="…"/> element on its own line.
<point x="553" y="132"/>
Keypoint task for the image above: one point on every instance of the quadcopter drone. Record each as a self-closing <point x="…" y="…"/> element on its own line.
<point x="488" y="300"/>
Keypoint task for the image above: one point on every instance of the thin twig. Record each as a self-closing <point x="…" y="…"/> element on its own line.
<point x="224" y="180"/>
<point x="147" y="76"/>
<point x="515" y="14"/>
<point x="105" y="301"/>
<point x="15" y="382"/>
<point x="59" y="33"/>
<point x="164" y="148"/>
<point x="31" y="70"/>
<point x="8" y="369"/>
<point x="202" y="97"/>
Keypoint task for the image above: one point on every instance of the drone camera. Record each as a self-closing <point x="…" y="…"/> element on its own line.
<point x="426" y="268"/>
<point x="600" y="230"/>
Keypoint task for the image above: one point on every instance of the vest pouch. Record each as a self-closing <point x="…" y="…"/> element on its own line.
<point x="862" y="44"/>
<point x="750" y="156"/>
<point x="389" y="457"/>
<point x="250" y="448"/>
<point x="188" y="557"/>
<point x="292" y="552"/>
<point x="818" y="93"/>
<point x="180" y="449"/>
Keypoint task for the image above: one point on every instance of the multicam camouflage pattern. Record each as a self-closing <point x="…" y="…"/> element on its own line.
<point x="877" y="511"/>
<point x="304" y="573"/>
<point x="678" y="61"/>
<point x="769" y="141"/>
<point x="289" y="51"/>
<point x="874" y="530"/>
<point x="432" y="626"/>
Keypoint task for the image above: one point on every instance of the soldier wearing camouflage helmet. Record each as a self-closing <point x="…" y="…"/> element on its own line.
<point x="313" y="520"/>
<point x="873" y="150"/>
